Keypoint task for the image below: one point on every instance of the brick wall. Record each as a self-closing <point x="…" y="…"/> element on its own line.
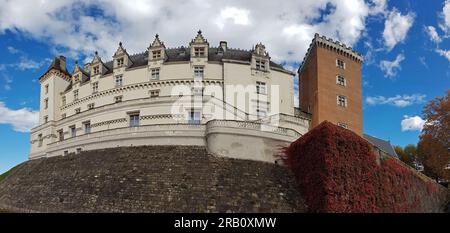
<point x="149" y="179"/>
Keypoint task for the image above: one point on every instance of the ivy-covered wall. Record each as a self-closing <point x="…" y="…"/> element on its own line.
<point x="337" y="171"/>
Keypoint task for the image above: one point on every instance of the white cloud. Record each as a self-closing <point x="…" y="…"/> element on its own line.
<point x="286" y="28"/>
<point x="238" y="16"/>
<point x="444" y="53"/>
<point x="396" y="28"/>
<point x="378" y="7"/>
<point x="22" y="120"/>
<point x="390" y="68"/>
<point x="398" y="100"/>
<point x="414" y="123"/>
<point x="26" y="64"/>
<point x="432" y="33"/>
<point x="445" y="25"/>
<point x="12" y="50"/>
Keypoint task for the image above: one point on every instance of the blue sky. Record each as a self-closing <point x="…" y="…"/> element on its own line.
<point x="406" y="45"/>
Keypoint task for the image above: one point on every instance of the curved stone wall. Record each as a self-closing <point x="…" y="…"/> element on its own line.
<point x="149" y="179"/>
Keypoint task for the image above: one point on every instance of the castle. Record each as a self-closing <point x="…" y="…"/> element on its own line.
<point x="236" y="103"/>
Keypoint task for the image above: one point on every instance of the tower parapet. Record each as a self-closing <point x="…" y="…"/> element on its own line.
<point x="332" y="45"/>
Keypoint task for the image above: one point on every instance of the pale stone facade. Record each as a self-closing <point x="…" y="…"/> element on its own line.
<point x="235" y="102"/>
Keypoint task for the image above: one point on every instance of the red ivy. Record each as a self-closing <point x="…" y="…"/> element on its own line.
<point x="337" y="171"/>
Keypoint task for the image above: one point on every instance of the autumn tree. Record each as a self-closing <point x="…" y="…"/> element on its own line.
<point x="403" y="156"/>
<point x="434" y="144"/>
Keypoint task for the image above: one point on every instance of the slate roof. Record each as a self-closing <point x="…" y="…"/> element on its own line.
<point x="381" y="144"/>
<point x="183" y="54"/>
<point x="56" y="64"/>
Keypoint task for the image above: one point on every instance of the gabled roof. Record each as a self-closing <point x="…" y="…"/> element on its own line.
<point x="381" y="144"/>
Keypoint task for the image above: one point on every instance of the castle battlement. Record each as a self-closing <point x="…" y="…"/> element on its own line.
<point x="332" y="45"/>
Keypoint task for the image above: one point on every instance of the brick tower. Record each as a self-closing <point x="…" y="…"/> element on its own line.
<point x="330" y="84"/>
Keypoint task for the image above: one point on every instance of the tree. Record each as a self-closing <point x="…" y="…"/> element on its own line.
<point x="434" y="144"/>
<point x="403" y="156"/>
<point x="435" y="157"/>
<point x="437" y="114"/>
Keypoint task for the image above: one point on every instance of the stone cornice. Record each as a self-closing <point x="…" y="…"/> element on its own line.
<point x="54" y="72"/>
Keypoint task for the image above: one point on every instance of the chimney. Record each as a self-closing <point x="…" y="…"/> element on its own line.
<point x="223" y="44"/>
<point x="62" y="62"/>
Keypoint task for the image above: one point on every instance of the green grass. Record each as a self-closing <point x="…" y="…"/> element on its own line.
<point x="4" y="175"/>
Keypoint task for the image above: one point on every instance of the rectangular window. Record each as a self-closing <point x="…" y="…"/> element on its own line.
<point x="340" y="64"/>
<point x="154" y="93"/>
<point x="197" y="91"/>
<point x="73" y="131"/>
<point x="76" y="78"/>
<point x="46" y="103"/>
<point x="194" y="118"/>
<point x="199" y="51"/>
<point x="40" y="140"/>
<point x="77" y="110"/>
<point x="155" y="74"/>
<point x="198" y="73"/>
<point x="46" y="89"/>
<point x="340" y="80"/>
<point x="156" y="54"/>
<point x="120" y="62"/>
<point x="78" y="150"/>
<point x="45" y="119"/>
<point x="87" y="127"/>
<point x="260" y="64"/>
<point x="119" y="80"/>
<point x="63" y="100"/>
<point x="61" y="135"/>
<point x="118" y="99"/>
<point x="261" y="113"/>
<point x="75" y="95"/>
<point x="341" y="101"/>
<point x="134" y="120"/>
<point x="261" y="87"/>
<point x="96" y="70"/>
<point x="343" y="125"/>
<point x="91" y="106"/>
<point x="94" y="88"/>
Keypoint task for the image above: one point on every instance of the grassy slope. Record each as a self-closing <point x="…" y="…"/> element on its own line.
<point x="4" y="175"/>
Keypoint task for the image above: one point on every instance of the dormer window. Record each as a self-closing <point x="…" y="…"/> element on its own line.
<point x="260" y="64"/>
<point x="156" y="54"/>
<point x="199" y="51"/>
<point x="120" y="62"/>
<point x="76" y="78"/>
<point x="96" y="70"/>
